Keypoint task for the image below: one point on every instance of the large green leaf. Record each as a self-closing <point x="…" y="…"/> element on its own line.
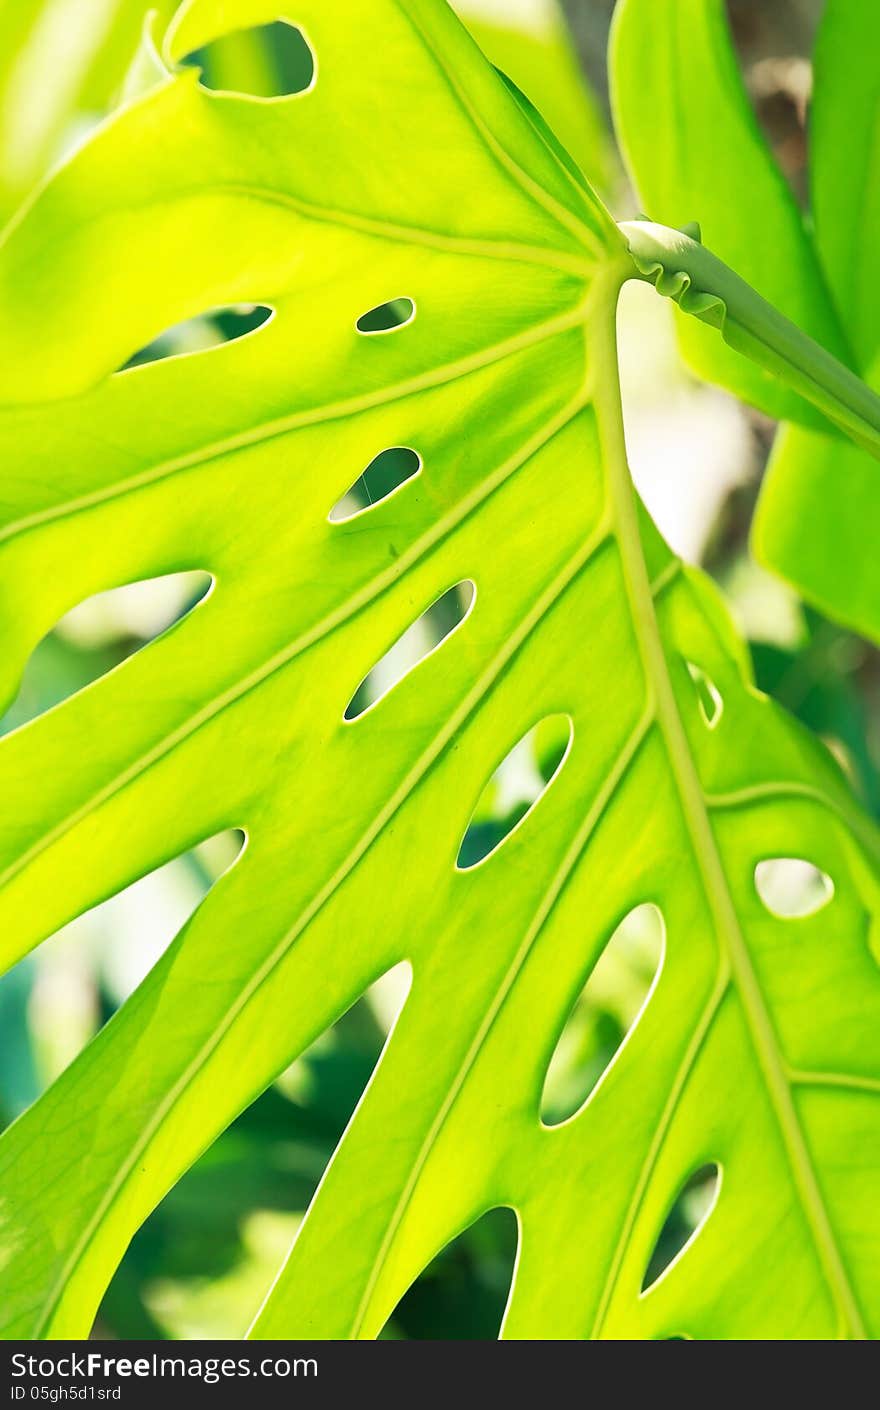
<point x="696" y="152"/>
<point x="409" y="171"/>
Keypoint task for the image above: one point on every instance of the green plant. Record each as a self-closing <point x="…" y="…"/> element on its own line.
<point x="446" y="286"/>
<point x="693" y="141"/>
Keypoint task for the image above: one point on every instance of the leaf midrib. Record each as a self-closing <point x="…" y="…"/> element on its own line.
<point x="609" y="416"/>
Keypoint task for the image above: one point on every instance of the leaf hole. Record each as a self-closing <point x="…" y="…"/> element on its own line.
<point x="387" y="317"/>
<point x="515" y="788"/>
<point x="418" y="642"/>
<point x="231" y="1219"/>
<point x="708" y="695"/>
<point x="606" y="1011"/>
<point x="792" y="888"/>
<point x="384" y="475"/>
<point x="463" y="1292"/>
<point x="82" y="973"/>
<point x="211" y="329"/>
<point x="98" y="634"/>
<point x="692" y="1206"/>
<point x="266" y="61"/>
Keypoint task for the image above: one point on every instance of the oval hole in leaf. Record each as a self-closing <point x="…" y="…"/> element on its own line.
<point x="266" y="61"/>
<point x="514" y="789"/>
<point x="418" y="641"/>
<point x="385" y="473"/>
<point x="462" y="1294"/>
<point x="98" y="634"/>
<point x="208" y="330"/>
<point x="387" y="317"/>
<point x="708" y="695"/>
<point x="792" y="888"/>
<point x="693" y="1204"/>
<point x="605" y="1013"/>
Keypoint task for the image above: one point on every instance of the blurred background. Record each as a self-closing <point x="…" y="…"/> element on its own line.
<point x="201" y="1265"/>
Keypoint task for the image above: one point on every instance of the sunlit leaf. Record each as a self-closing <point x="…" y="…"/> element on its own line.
<point x="756" y="1052"/>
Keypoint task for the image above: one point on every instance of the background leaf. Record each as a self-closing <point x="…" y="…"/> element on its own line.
<point x="696" y="152"/>
<point x="821" y="495"/>
<point x="86" y="46"/>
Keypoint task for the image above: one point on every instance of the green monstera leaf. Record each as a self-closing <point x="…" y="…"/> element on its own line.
<point x="442" y="283"/>
<point x="696" y="152"/>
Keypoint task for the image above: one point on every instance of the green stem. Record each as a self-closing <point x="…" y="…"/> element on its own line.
<point x="702" y="285"/>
